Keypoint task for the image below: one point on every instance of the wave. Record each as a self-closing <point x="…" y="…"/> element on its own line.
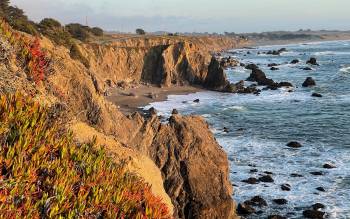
<point x="345" y="69"/>
<point x="330" y="53"/>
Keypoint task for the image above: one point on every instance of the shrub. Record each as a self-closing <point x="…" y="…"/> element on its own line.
<point x="140" y="31"/>
<point x="78" y="31"/>
<point x="55" y="32"/>
<point x="19" y="21"/>
<point x="97" y="31"/>
<point x="44" y="174"/>
<point x="76" y="54"/>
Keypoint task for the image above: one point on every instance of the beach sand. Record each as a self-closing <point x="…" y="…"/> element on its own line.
<point x="130" y="100"/>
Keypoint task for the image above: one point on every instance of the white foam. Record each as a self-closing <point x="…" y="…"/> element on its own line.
<point x="345" y="69"/>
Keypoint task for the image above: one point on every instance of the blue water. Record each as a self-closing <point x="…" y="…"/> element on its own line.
<point x="261" y="126"/>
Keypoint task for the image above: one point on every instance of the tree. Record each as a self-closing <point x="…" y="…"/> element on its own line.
<point x="4" y="4"/>
<point x="78" y="31"/>
<point x="50" y="23"/>
<point x="140" y="31"/>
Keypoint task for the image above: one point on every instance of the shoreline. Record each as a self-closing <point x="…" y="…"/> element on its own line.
<point x="130" y="100"/>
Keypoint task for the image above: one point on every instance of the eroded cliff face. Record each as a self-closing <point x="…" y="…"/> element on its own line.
<point x="160" y="61"/>
<point x="192" y="165"/>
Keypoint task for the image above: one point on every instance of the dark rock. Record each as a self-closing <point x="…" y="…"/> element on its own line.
<point x="196" y="101"/>
<point x="242" y="64"/>
<point x="312" y="61"/>
<point x="285" y="187"/>
<point x="266" y="178"/>
<point x="251" y="66"/>
<point x="294" y="144"/>
<point x="309" y="82"/>
<point x="313" y="214"/>
<point x="254" y="170"/>
<point x="318" y="206"/>
<point x="280" y="201"/>
<point x="272" y="65"/>
<point x="152" y="96"/>
<point x="268" y="172"/>
<point x="258" y="201"/>
<point x="307" y="69"/>
<point x="282" y="50"/>
<point x="274" y="69"/>
<point x="259" y="76"/>
<point x="251" y="180"/>
<point x="296" y="175"/>
<point x="243" y="209"/>
<point x="321" y="189"/>
<point x="175" y="112"/>
<point x="316" y="95"/>
<point x="285" y="84"/>
<point x="329" y="166"/>
<point x="317" y="173"/>
<point x="276" y="217"/>
<point x="226" y="130"/>
<point x="295" y="61"/>
<point x="152" y="111"/>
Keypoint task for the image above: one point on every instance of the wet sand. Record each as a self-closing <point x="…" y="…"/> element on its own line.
<point x="132" y="99"/>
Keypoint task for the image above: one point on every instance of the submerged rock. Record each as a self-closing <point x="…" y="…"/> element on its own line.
<point x="196" y="101"/>
<point x="318" y="206"/>
<point x="316" y="95"/>
<point x="259" y="76"/>
<point x="307" y="69"/>
<point x="251" y="180"/>
<point x="294" y="144"/>
<point x="251" y="66"/>
<point x="321" y="189"/>
<point x="175" y="112"/>
<point x="285" y="187"/>
<point x="329" y="166"/>
<point x="274" y="69"/>
<point x="257" y="201"/>
<point x="276" y="217"/>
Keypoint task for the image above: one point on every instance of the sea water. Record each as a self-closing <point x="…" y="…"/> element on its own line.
<point x="261" y="126"/>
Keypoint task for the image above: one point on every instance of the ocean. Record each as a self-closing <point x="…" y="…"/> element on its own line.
<point x="261" y="126"/>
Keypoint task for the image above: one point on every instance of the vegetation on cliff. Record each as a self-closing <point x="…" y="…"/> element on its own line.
<point x="44" y="173"/>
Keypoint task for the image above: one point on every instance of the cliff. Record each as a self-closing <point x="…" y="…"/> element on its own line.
<point x="179" y="159"/>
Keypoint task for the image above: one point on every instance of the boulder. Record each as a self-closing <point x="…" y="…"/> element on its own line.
<point x="321" y="189"/>
<point x="196" y="101"/>
<point x="280" y="201"/>
<point x="251" y="66"/>
<point x="318" y="206"/>
<point x="266" y="178"/>
<point x="309" y="81"/>
<point x="329" y="166"/>
<point x="257" y="201"/>
<point x="274" y="69"/>
<point x="316" y="95"/>
<point x="175" y="112"/>
<point x="259" y="76"/>
<point x="272" y="65"/>
<point x="276" y="217"/>
<point x="251" y="180"/>
<point x="285" y="84"/>
<point x="314" y="214"/>
<point x="244" y="209"/>
<point x="295" y="61"/>
<point x="285" y="187"/>
<point x="312" y="61"/>
<point x="317" y="173"/>
<point x="294" y="144"/>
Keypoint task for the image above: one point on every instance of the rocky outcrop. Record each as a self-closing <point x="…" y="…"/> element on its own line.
<point x="194" y="167"/>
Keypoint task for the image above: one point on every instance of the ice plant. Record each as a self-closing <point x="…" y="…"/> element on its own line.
<point x="35" y="60"/>
<point x="45" y="174"/>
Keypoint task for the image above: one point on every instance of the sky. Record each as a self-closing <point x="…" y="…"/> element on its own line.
<point x="195" y="15"/>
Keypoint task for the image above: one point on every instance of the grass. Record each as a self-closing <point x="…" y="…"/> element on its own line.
<point x="45" y="174"/>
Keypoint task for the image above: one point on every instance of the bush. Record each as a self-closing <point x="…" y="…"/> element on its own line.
<point x="54" y="31"/>
<point x="45" y="174"/>
<point x="76" y="54"/>
<point x="97" y="31"/>
<point x="78" y="31"/>
<point x="140" y="31"/>
<point x="19" y="21"/>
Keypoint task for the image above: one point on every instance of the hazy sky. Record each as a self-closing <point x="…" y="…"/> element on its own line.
<point x="195" y="15"/>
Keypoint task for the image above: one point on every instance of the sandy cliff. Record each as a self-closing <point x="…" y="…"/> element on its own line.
<point x="181" y="160"/>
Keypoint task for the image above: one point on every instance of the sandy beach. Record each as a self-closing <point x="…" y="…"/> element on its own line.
<point x="130" y="100"/>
